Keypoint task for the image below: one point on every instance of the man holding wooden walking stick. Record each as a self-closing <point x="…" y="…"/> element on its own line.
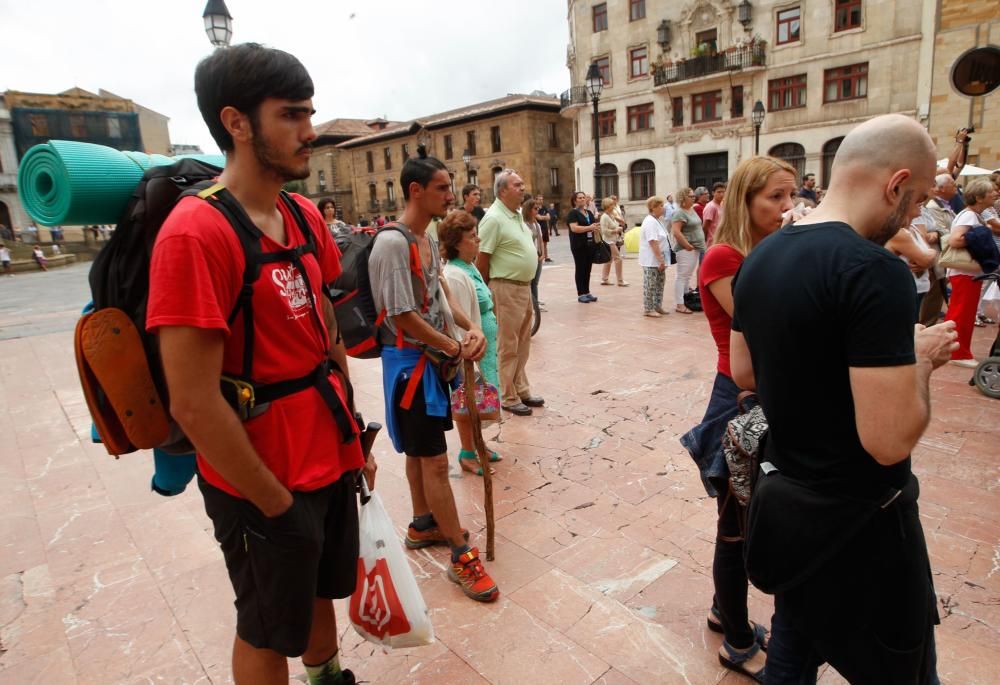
<point x="418" y="360"/>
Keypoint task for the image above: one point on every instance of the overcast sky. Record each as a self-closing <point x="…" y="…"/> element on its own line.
<point x="399" y="59"/>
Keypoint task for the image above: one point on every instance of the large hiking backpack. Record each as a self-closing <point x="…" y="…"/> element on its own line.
<point x="119" y="363"/>
<point x="353" y="303"/>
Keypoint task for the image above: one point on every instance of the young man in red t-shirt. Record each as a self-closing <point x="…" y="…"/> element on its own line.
<point x="279" y="485"/>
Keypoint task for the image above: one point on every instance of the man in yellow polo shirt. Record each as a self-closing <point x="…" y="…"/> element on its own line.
<point x="507" y="261"/>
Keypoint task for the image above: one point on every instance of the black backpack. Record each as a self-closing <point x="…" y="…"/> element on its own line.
<point x="133" y="415"/>
<point x="357" y="319"/>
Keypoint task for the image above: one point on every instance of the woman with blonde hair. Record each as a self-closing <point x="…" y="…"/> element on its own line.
<point x="611" y="233"/>
<point x="758" y="201"/>
<point x="689" y="237"/>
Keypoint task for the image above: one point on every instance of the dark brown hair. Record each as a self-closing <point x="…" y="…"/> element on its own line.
<point x="452" y="231"/>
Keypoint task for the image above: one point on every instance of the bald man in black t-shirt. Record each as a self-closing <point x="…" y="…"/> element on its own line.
<point x="822" y="328"/>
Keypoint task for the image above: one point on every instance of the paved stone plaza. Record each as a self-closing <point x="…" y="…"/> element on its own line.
<point x="605" y="534"/>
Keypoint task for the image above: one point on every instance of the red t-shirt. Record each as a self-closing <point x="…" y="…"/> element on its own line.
<point x="721" y="261"/>
<point x="194" y="280"/>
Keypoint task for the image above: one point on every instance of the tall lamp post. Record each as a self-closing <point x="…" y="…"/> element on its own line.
<point x="467" y="158"/>
<point x="218" y="23"/>
<point x="595" y="85"/>
<point x="757" y="116"/>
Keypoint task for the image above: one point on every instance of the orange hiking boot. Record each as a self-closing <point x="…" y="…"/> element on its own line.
<point x="416" y="539"/>
<point x="470" y="575"/>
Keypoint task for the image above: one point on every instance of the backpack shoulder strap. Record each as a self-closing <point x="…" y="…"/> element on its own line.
<point x="416" y="267"/>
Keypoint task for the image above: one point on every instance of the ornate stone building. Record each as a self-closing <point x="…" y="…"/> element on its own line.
<point x="522" y="132"/>
<point x="330" y="170"/>
<point x="11" y="212"/>
<point x="682" y="78"/>
<point x="961" y="25"/>
<point x="27" y="119"/>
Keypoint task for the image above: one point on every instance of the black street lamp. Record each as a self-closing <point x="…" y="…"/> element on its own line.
<point x="467" y="158"/>
<point x="757" y="116"/>
<point x="218" y="23"/>
<point x="745" y="10"/>
<point x="595" y="85"/>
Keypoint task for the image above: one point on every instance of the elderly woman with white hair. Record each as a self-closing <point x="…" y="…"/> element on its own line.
<point x="979" y="194"/>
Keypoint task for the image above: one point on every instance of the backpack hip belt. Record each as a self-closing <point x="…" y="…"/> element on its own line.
<point x="251" y="400"/>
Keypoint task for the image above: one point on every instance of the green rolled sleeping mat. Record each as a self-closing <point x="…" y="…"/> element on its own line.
<point x="68" y="182"/>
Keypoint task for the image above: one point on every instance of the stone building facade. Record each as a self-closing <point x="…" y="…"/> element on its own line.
<point x="27" y="119"/>
<point x="11" y="211"/>
<point x="961" y="25"/>
<point x="329" y="167"/>
<point x="682" y="78"/>
<point x="522" y="132"/>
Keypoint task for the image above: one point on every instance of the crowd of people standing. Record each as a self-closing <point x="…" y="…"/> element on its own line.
<point x="781" y="288"/>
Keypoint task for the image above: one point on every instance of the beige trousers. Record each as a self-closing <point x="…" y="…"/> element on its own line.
<point x="512" y="305"/>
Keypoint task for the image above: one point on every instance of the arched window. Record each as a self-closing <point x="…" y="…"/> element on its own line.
<point x="829" y="152"/>
<point x="642" y="179"/>
<point x="794" y="154"/>
<point x="607" y="182"/>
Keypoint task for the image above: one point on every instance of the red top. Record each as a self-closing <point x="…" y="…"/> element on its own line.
<point x="721" y="261"/>
<point x="195" y="277"/>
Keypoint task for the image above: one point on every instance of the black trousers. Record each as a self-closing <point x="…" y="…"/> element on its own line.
<point x="584" y="263"/>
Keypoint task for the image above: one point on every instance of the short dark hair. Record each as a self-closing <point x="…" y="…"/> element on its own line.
<point x="452" y="230"/>
<point x="717" y="185"/>
<point x="243" y="76"/>
<point x="320" y="204"/>
<point x="468" y="189"/>
<point x="806" y="177"/>
<point x="419" y="169"/>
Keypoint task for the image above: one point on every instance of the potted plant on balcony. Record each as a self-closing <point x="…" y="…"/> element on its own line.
<point x="659" y="66"/>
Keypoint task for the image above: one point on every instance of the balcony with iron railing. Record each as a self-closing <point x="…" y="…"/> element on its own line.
<point x="574" y="97"/>
<point x="735" y="58"/>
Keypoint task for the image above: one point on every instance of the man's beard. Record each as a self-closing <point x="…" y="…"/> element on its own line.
<point x="266" y="158"/>
<point x="895" y="221"/>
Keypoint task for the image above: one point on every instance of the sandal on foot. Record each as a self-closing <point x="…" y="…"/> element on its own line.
<point x="714" y="621"/>
<point x="760" y="634"/>
<point x="736" y="660"/>
<point x="469" y="455"/>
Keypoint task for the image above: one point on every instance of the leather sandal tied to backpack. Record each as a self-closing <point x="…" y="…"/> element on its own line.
<point x="118" y="361"/>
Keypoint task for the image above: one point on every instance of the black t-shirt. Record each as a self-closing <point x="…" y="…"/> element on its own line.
<point x="813" y="301"/>
<point x="584" y="218"/>
<point x="478" y="212"/>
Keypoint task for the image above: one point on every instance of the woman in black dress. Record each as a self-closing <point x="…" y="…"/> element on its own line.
<point x="581" y="242"/>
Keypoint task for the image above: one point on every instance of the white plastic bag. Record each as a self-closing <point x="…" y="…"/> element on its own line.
<point x="386" y="607"/>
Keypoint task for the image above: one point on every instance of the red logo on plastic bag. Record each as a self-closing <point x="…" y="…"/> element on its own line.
<point x="375" y="608"/>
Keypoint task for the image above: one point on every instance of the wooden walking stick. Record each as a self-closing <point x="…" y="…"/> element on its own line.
<point x="484" y="456"/>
